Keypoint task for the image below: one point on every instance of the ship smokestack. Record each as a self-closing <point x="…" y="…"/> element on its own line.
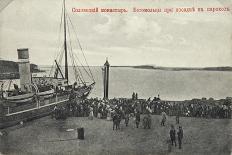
<point x="24" y="69"/>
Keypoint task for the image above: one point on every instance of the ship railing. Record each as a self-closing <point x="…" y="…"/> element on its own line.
<point x="40" y="103"/>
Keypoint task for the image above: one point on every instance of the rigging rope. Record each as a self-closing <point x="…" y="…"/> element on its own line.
<point x="82" y="65"/>
<point x="70" y="49"/>
<point x="81" y="48"/>
<point x="4" y="4"/>
<point x="71" y="56"/>
<point x="74" y="54"/>
<point x="58" y="54"/>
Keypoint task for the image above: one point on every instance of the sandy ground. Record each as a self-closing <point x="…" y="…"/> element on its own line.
<point x="49" y="136"/>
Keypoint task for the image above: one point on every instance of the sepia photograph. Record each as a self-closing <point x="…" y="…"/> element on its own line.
<point x="116" y="77"/>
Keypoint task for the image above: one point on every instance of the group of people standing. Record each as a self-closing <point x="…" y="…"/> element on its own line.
<point x="204" y="108"/>
<point x="192" y="108"/>
<point x="173" y="134"/>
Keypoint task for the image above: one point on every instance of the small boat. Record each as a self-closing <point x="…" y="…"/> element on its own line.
<point x="20" y="98"/>
<point x="16" y="95"/>
<point x="46" y="94"/>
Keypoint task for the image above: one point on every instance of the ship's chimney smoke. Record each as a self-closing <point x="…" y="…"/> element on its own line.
<point x="24" y="69"/>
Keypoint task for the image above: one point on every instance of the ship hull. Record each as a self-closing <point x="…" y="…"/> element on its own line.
<point x="12" y="113"/>
<point x="13" y="117"/>
<point x="8" y="121"/>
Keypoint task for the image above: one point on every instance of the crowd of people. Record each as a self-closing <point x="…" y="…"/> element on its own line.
<point x="190" y="108"/>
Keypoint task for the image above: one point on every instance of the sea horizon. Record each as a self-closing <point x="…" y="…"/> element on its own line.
<point x="170" y="85"/>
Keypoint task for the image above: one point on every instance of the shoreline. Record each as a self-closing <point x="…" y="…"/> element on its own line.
<point x="221" y="68"/>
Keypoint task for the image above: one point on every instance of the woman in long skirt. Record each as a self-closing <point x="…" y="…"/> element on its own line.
<point x="91" y="113"/>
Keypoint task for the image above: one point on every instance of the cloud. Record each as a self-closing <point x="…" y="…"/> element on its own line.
<point x="103" y="28"/>
<point x="137" y="27"/>
<point x="126" y="31"/>
<point x="144" y="38"/>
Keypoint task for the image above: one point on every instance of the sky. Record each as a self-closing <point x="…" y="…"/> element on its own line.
<point x="199" y="39"/>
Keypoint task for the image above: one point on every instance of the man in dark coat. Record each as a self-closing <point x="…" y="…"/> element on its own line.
<point x="173" y="135"/>
<point x="180" y="136"/>
<point x="126" y="119"/>
<point x="115" y="117"/>
<point x="177" y="118"/>
<point x="137" y="119"/>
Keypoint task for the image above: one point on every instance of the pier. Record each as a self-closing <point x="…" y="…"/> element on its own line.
<point x="47" y="136"/>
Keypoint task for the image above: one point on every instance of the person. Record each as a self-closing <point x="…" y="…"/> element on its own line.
<point x="145" y="122"/>
<point x="118" y="120"/>
<point x="91" y="113"/>
<point x="74" y="86"/>
<point x="163" y="114"/>
<point x="108" y="115"/>
<point x="16" y="90"/>
<point x="72" y="96"/>
<point x="177" y="118"/>
<point x="99" y="112"/>
<point x="26" y="88"/>
<point x="133" y="96"/>
<point x="115" y="118"/>
<point x="173" y="135"/>
<point x="63" y="113"/>
<point x="126" y="119"/>
<point x="149" y="120"/>
<point x="180" y="136"/>
<point x="137" y="119"/>
<point x="54" y="112"/>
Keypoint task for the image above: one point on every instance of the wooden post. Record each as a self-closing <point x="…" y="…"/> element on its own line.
<point x="106" y="79"/>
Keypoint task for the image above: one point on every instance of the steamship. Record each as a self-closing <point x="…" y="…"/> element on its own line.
<point x="37" y="96"/>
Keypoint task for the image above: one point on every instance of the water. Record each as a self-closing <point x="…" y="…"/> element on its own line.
<point x="171" y="85"/>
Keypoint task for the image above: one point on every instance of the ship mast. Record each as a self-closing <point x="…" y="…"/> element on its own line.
<point x="65" y="45"/>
